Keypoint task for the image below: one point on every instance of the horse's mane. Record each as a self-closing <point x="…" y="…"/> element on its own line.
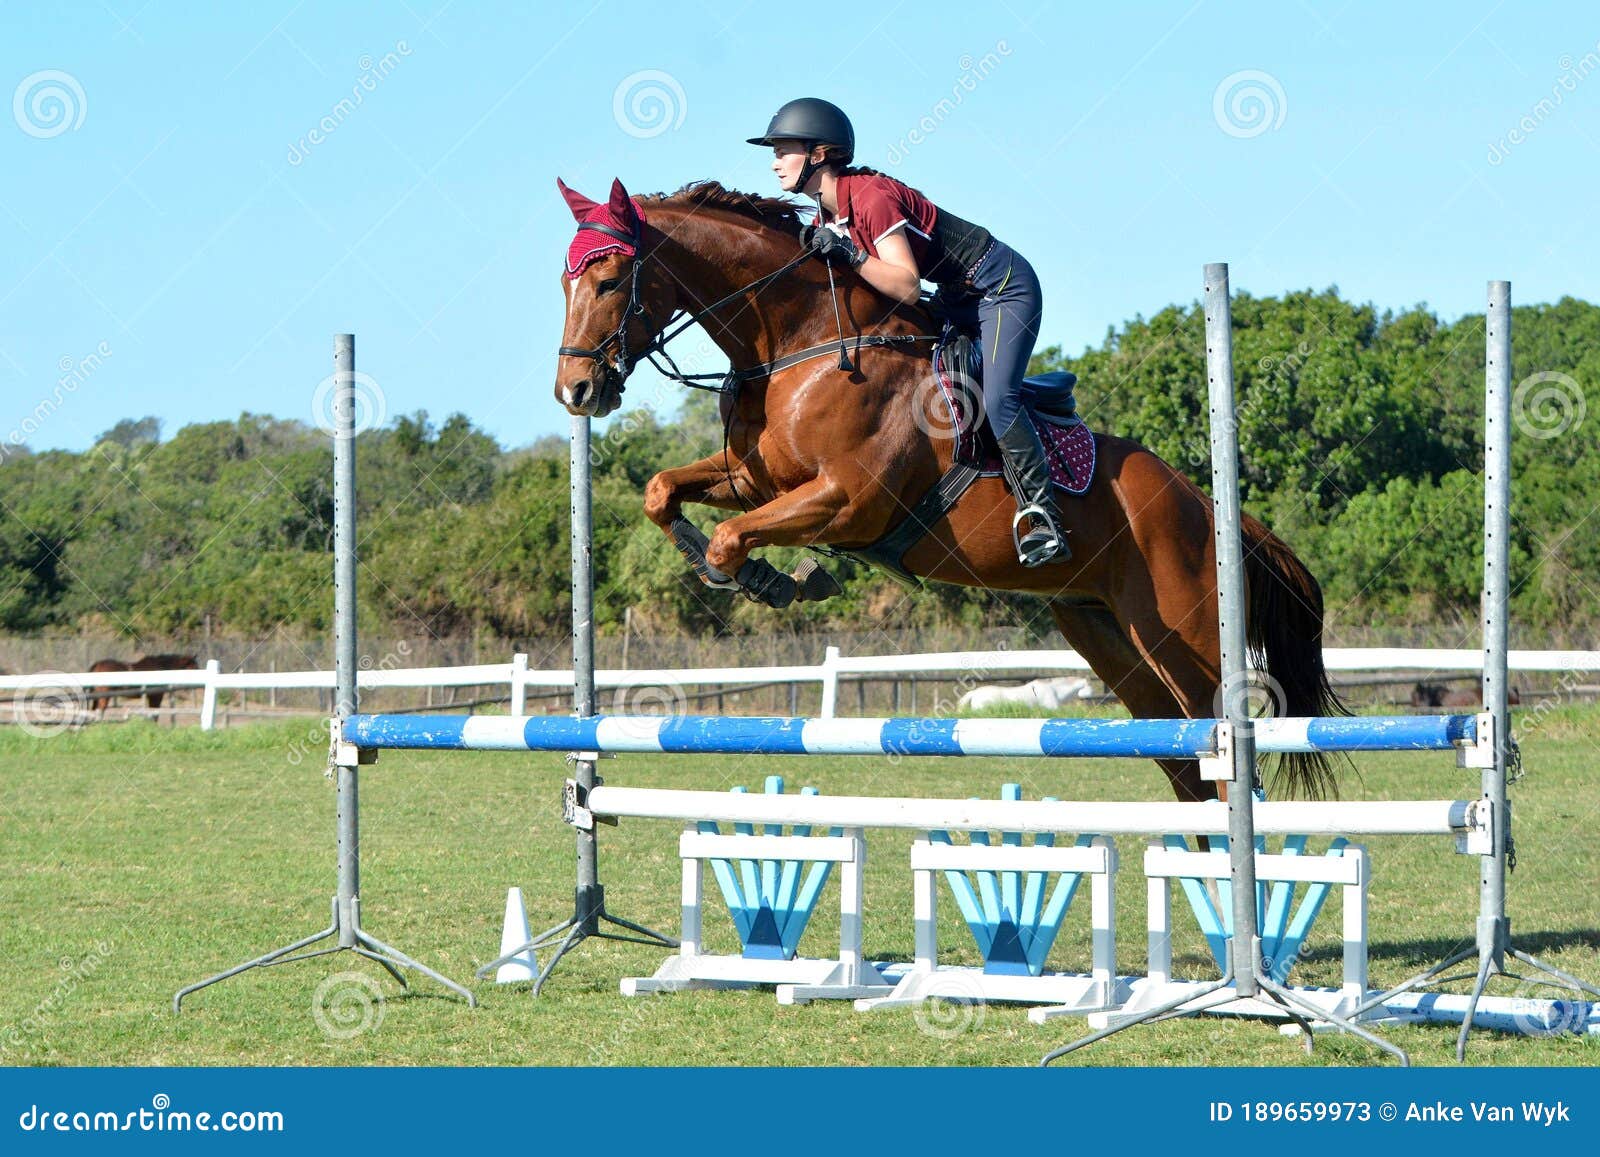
<point x="776" y="212"/>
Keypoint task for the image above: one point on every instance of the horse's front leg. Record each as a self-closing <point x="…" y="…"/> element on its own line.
<point x="712" y="481"/>
<point x="799" y="517"/>
<point x="715" y="480"/>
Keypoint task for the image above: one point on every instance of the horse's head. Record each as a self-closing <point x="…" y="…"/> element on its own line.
<point x="611" y="301"/>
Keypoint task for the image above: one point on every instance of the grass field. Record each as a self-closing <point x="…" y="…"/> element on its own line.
<point x="140" y="859"/>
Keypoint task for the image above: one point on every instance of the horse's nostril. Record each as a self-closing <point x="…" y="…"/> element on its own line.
<point x="578" y="392"/>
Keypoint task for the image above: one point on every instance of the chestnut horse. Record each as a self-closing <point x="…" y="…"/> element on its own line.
<point x="819" y="455"/>
<point x="102" y="696"/>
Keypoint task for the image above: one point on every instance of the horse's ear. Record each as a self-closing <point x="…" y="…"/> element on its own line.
<point x="580" y="205"/>
<point x="621" y="205"/>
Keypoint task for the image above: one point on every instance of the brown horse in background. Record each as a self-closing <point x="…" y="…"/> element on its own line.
<point x="819" y="455"/>
<point x="104" y="695"/>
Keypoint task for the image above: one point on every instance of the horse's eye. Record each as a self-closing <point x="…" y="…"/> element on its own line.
<point x="607" y="286"/>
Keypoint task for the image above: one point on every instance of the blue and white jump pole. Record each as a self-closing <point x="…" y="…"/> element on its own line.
<point x="755" y="735"/>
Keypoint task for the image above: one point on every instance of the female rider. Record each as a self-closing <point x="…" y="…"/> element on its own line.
<point x="895" y="238"/>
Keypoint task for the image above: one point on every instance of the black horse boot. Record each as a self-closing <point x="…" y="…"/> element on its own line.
<point x="1028" y="472"/>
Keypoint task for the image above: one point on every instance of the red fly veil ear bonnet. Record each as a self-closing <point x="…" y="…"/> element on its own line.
<point x="609" y="228"/>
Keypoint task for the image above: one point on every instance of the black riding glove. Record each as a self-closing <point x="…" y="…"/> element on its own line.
<point x="836" y="248"/>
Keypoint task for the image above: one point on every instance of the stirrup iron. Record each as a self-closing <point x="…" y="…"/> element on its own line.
<point x="1039" y="545"/>
<point x="1027" y="469"/>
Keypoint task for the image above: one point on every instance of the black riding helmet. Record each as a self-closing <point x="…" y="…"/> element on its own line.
<point x="811" y="121"/>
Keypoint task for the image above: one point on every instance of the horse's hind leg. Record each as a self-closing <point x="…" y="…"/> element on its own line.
<point x="1094" y="633"/>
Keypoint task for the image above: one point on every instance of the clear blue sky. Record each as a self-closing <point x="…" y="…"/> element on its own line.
<point x="169" y="209"/>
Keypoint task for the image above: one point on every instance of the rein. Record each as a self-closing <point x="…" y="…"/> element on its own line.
<point x="729" y="382"/>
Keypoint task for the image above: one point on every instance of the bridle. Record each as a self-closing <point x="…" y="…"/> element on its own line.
<point x="621" y="366"/>
<point x="726" y="384"/>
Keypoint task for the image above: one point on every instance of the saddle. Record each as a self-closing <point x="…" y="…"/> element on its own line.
<point x="1048" y="401"/>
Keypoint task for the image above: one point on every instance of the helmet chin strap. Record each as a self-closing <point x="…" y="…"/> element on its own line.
<point x="806" y="170"/>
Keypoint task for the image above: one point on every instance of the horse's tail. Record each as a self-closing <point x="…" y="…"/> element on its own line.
<point x="1284" y="633"/>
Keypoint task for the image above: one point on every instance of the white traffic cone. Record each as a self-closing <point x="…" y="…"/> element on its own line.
<point x="513" y="936"/>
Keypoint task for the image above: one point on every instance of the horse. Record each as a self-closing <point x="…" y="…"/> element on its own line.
<point x="1427" y="695"/>
<point x="104" y="695"/>
<point x="826" y="450"/>
<point x="163" y="663"/>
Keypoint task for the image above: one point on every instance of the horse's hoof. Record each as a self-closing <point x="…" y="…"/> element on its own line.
<point x="814" y="584"/>
<point x="691" y="543"/>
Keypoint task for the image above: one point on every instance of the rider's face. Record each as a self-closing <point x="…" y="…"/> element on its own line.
<point x="788" y="158"/>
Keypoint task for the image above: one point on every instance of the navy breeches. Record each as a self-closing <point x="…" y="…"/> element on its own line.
<point x="1007" y="316"/>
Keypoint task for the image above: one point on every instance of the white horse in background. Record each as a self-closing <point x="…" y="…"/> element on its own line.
<point x="1047" y="694"/>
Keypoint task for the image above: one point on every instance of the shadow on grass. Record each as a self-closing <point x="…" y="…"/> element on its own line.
<point x="1436" y="948"/>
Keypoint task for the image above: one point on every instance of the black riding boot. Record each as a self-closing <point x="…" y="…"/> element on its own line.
<point x="1028" y="472"/>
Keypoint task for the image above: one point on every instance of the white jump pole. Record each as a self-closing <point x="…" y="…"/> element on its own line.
<point x="1289" y="817"/>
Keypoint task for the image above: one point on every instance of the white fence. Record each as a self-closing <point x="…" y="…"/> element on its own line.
<point x="971" y="667"/>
